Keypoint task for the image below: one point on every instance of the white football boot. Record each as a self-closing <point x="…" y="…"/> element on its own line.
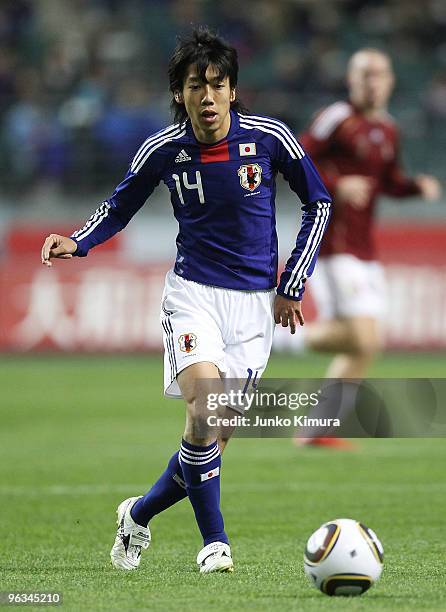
<point x="130" y="539"/>
<point x="215" y="557"/>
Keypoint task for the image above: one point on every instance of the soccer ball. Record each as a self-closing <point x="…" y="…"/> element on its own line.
<point x="343" y="557"/>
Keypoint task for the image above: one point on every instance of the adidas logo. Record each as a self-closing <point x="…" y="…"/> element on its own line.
<point x="182" y="157"/>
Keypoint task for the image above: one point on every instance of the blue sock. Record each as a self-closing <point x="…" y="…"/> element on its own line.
<point x="167" y="491"/>
<point x="201" y="470"/>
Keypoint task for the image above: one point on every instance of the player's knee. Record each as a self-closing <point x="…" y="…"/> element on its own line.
<point x="198" y="428"/>
<point x="366" y="346"/>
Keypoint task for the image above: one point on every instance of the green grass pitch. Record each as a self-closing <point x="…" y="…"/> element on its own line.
<point x="78" y="435"/>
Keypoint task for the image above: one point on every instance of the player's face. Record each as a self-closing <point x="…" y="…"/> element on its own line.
<point x="371" y="81"/>
<point x="207" y="104"/>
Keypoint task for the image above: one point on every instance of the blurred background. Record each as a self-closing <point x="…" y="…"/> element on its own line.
<point x="83" y="82"/>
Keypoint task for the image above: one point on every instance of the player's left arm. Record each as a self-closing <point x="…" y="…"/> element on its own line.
<point x="397" y="184"/>
<point x="303" y="178"/>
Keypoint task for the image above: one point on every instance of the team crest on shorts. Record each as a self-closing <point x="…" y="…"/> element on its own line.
<point x="187" y="342"/>
<point x="250" y="176"/>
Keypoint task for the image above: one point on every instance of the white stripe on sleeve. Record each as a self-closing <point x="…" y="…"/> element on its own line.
<point x="304" y="261"/>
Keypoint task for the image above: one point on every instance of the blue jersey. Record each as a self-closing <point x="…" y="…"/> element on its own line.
<point x="223" y="197"/>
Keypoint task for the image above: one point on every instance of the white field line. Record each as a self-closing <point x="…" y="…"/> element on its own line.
<point x="252" y="487"/>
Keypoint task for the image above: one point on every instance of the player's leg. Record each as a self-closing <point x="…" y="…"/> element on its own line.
<point x="349" y="325"/>
<point x="356" y="340"/>
<point x="200" y="459"/>
<point x="168" y="490"/>
<point x="189" y="336"/>
<point x="194" y="350"/>
<point x="247" y="340"/>
<point x="248" y="345"/>
<point x="349" y="296"/>
<point x="172" y="487"/>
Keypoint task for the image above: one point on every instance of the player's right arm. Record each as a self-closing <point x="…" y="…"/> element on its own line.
<point x="114" y="213"/>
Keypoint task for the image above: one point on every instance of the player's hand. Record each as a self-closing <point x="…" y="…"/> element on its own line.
<point x="354" y="189"/>
<point x="57" y="246"/>
<point x="288" y="312"/>
<point x="429" y="186"/>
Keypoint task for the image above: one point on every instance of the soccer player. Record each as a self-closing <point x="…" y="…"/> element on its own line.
<point x="219" y="303"/>
<point x="354" y="145"/>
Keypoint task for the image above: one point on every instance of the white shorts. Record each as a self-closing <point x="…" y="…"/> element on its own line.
<point x="232" y="329"/>
<point x="344" y="286"/>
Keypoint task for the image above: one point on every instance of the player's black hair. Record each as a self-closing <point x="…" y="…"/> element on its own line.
<point x="202" y="48"/>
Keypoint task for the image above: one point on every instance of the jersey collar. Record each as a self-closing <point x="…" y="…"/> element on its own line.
<point x="232" y="130"/>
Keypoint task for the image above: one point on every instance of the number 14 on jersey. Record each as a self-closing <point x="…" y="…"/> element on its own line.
<point x="198" y="185"/>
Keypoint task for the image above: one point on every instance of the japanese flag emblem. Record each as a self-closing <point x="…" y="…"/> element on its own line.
<point x="250" y="176"/>
<point x="248" y="148"/>
<point x="187" y="342"/>
<point x="211" y="474"/>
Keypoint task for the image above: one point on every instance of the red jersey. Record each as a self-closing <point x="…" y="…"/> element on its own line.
<point x="341" y="141"/>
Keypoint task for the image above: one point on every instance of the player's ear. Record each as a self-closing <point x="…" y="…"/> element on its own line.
<point x="178" y="96"/>
<point x="232" y="95"/>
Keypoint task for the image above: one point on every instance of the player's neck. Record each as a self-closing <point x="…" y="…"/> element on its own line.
<point x="370" y="112"/>
<point x="373" y="113"/>
<point x="211" y="137"/>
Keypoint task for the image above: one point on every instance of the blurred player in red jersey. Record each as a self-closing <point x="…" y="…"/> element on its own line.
<point x="354" y="145"/>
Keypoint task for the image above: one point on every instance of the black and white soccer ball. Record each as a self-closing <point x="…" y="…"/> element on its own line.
<point x="343" y="557"/>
